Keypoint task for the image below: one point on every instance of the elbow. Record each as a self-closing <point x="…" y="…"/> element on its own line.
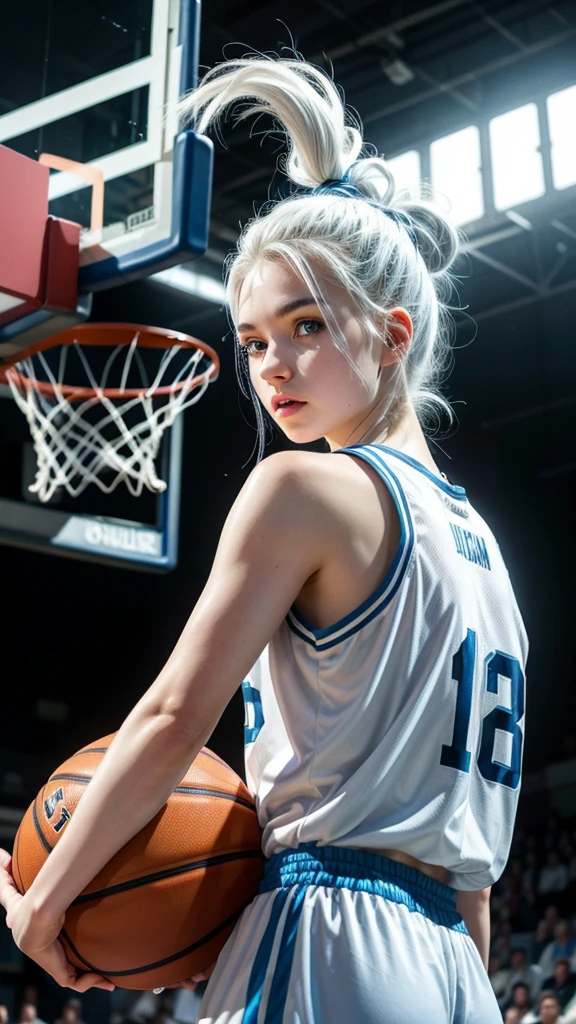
<point x="166" y="722"/>
<point x="484" y="895"/>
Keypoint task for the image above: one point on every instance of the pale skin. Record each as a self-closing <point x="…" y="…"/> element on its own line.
<point x="307" y="528"/>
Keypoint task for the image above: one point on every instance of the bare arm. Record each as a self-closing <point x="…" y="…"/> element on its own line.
<point x="475" y="909"/>
<point x="278" y="533"/>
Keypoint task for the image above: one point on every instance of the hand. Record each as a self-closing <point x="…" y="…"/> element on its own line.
<point x="37" y="936"/>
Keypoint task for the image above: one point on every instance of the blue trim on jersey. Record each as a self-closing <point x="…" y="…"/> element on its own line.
<point x="261" y="960"/>
<point x="452" y="489"/>
<point x="338" y="867"/>
<point x="322" y="639"/>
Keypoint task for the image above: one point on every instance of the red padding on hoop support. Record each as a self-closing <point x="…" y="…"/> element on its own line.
<point x="23" y="214"/>
<point x="39" y="255"/>
<point x="63" y="253"/>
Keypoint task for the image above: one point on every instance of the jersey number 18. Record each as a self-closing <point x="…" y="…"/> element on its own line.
<point x="506" y="720"/>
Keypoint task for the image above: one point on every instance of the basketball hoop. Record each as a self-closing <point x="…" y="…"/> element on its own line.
<point x="105" y="426"/>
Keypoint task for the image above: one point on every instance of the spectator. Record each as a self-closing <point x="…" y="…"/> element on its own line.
<point x="564" y="945"/>
<point x="545" y="929"/>
<point x="4" y="1015"/>
<point x="553" y="876"/>
<point x="521" y="973"/>
<point x="549" y="1009"/>
<point x="513" y="1015"/>
<point x="29" y="1014"/>
<point x="71" y="1012"/>
<point x="521" y="999"/>
<point x="563" y="982"/>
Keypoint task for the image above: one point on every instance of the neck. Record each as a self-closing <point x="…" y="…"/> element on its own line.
<point x="406" y="435"/>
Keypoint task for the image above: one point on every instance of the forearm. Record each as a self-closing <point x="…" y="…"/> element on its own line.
<point x="151" y="753"/>
<point x="475" y="909"/>
<point x="148" y="758"/>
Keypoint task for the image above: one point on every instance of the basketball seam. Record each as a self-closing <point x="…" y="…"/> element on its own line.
<point x="179" y="789"/>
<point x="102" y="750"/>
<point x="159" y="963"/>
<point x="158" y="876"/>
<point x="39" y="831"/>
<point x="18" y="882"/>
<point x="214" y="757"/>
<point x="215" y="792"/>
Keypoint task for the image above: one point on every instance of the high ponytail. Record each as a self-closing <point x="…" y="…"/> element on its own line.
<point x="300" y="97"/>
<point x="383" y="247"/>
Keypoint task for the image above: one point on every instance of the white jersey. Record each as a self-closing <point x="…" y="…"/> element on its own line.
<point x="400" y="726"/>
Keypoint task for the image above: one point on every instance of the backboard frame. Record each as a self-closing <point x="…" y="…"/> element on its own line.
<point x="175" y="228"/>
<point x="110" y="541"/>
<point x="181" y="177"/>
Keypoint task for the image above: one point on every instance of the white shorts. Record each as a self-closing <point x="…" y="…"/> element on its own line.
<point x="342" y="936"/>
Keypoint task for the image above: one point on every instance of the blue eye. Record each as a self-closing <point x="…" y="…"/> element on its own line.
<point x="316" y="326"/>
<point x="249" y="347"/>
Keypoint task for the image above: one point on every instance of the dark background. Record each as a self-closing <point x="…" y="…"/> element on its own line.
<point x="93" y="637"/>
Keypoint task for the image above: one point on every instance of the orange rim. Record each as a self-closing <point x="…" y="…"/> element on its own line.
<point x="110" y="335"/>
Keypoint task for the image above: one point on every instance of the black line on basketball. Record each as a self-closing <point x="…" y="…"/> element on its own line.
<point x="15" y="865"/>
<point x="215" y="792"/>
<point x="67" y="777"/>
<point x="158" y="876"/>
<point x="158" y="963"/>
<point x="91" y="750"/>
<point x="214" y="757"/>
<point x="39" y="831"/>
<point x="192" y="790"/>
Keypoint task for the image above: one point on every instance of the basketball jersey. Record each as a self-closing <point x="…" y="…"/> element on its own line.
<point x="401" y="725"/>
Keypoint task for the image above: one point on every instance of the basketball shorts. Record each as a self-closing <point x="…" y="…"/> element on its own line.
<point x="341" y="936"/>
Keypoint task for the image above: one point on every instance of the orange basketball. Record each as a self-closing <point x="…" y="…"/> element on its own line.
<point x="162" y="908"/>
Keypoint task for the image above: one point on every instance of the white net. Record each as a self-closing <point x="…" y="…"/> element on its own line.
<point x="96" y="438"/>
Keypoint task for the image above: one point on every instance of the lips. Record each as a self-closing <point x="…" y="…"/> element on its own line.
<point x="285" y="402"/>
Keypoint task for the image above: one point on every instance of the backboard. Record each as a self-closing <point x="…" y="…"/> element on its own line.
<point x="88" y="92"/>
<point x="91" y="91"/>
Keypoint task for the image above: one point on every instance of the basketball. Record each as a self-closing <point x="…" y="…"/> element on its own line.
<point x="162" y="908"/>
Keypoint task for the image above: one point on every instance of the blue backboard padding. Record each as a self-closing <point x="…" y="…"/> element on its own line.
<point x="189" y="39"/>
<point x="191" y="194"/>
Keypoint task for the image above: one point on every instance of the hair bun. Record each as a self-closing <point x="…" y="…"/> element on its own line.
<point x="437" y="239"/>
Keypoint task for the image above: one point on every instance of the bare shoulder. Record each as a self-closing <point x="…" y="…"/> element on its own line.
<point x="327" y="494"/>
<point x="306" y="480"/>
<point x="284" y="508"/>
<point x="297" y="485"/>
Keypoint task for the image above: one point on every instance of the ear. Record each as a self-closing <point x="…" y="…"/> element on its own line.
<point x="398" y="331"/>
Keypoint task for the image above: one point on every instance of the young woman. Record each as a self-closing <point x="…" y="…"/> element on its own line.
<point x="365" y="606"/>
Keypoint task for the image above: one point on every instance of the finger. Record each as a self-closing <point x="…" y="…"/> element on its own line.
<point x="5" y="859"/>
<point x="9" y="895"/>
<point x="82" y="982"/>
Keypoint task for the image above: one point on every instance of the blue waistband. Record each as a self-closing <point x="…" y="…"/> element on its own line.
<point x="337" y="867"/>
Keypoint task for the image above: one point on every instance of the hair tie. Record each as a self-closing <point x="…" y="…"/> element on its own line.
<point x="344" y="187"/>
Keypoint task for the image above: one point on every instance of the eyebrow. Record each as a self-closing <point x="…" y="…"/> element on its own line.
<point x="289" y="307"/>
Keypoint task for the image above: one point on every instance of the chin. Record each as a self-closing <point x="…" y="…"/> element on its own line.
<point x="302" y="435"/>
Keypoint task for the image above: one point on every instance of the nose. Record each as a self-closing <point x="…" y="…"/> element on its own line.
<point x="274" y="367"/>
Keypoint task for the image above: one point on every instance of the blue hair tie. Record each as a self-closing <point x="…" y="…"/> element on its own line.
<point x="344" y="187"/>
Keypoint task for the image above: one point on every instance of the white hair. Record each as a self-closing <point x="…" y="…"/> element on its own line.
<point x="382" y="247"/>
